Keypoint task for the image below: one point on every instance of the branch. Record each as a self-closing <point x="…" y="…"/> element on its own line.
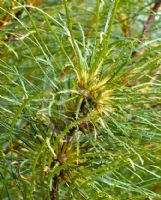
<point x="55" y="188"/>
<point x="18" y="14"/>
<point x="6" y="17"/>
<point x="147" y="25"/>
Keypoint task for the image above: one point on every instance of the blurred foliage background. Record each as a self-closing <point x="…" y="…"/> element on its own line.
<point x="80" y="99"/>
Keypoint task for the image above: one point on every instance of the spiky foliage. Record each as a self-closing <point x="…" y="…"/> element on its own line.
<point x="79" y="114"/>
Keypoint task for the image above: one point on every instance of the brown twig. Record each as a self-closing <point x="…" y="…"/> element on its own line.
<point x="5" y="19"/>
<point x="55" y="187"/>
<point x="147" y="26"/>
<point x="6" y="16"/>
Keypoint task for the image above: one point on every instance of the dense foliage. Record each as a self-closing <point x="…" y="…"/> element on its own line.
<point x="80" y="99"/>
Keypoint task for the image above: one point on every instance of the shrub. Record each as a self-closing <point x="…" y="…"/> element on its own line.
<point x="80" y="100"/>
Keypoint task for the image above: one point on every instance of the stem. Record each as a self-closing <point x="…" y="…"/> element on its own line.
<point x="62" y="155"/>
<point x="55" y="188"/>
<point x="147" y="26"/>
<point x="18" y="14"/>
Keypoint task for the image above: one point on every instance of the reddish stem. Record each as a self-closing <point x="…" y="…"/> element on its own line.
<point x="147" y="26"/>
